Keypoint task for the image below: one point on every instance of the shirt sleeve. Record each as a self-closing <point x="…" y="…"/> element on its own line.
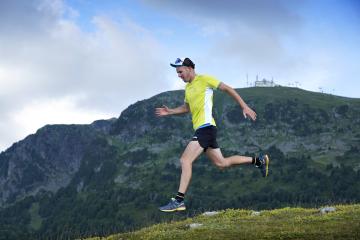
<point x="212" y="82"/>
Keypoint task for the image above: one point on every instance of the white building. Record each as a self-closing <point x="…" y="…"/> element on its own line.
<point x="265" y="83"/>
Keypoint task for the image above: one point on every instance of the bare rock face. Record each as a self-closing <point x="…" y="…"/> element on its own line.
<point x="45" y="161"/>
<point x="327" y="210"/>
<point x="210" y="214"/>
<point x="195" y="225"/>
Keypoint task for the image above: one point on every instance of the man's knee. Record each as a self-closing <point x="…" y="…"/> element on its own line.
<point x="221" y="163"/>
<point x="185" y="162"/>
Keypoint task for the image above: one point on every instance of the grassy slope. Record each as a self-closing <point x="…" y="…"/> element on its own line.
<point x="285" y="223"/>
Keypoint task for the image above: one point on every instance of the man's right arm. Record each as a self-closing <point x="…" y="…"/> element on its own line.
<point x="164" y="111"/>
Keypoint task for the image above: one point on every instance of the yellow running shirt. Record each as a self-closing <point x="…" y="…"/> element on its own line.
<point x="199" y="96"/>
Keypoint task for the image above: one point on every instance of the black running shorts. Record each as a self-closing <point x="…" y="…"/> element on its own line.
<point x="206" y="137"/>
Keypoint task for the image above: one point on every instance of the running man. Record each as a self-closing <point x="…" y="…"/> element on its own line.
<point x="199" y="101"/>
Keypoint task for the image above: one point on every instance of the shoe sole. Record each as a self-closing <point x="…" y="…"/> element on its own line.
<point x="175" y="210"/>
<point x="267" y="161"/>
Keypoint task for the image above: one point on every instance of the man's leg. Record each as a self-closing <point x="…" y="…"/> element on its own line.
<point x="192" y="151"/>
<point x="261" y="162"/>
<point x="218" y="159"/>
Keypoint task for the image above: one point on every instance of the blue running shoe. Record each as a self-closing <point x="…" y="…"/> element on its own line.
<point x="173" y="206"/>
<point x="264" y="164"/>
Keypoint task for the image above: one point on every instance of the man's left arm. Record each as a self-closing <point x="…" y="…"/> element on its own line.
<point x="247" y="111"/>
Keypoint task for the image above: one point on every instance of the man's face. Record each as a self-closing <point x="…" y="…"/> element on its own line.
<point x="184" y="73"/>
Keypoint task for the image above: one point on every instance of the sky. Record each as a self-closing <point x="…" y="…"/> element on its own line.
<point x="77" y="61"/>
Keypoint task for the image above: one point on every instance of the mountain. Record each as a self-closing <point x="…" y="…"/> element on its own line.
<point x="111" y="175"/>
<point x="45" y="161"/>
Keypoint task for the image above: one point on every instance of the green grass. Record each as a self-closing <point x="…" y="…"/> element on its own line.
<point x="36" y="220"/>
<point x="285" y="223"/>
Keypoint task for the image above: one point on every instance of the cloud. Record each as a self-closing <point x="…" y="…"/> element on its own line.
<point x="310" y="42"/>
<point x="252" y="32"/>
<point x="48" y="61"/>
<point x="28" y="18"/>
<point x="264" y="14"/>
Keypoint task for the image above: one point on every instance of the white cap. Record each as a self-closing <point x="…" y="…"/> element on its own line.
<point x="183" y="62"/>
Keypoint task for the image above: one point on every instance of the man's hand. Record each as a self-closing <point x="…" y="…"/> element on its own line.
<point x="163" y="111"/>
<point x="248" y="112"/>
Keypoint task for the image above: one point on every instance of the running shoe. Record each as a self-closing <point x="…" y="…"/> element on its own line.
<point x="173" y="206"/>
<point x="264" y="164"/>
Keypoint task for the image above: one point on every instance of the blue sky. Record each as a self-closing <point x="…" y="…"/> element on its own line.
<point x="76" y="61"/>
